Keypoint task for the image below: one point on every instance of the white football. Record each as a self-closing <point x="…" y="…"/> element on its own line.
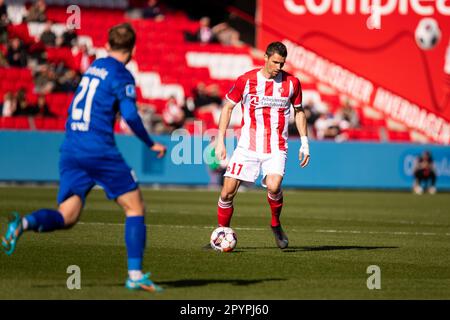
<point x="427" y="33"/>
<point x="223" y="239"/>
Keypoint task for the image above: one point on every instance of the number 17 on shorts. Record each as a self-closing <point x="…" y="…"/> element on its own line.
<point x="235" y="171"/>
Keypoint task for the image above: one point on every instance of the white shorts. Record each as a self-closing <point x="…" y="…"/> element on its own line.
<point x="246" y="165"/>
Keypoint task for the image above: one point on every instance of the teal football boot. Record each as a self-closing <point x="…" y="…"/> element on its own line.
<point x="13" y="233"/>
<point x="143" y="284"/>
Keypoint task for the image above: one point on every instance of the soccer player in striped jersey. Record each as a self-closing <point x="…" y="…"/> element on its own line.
<point x="89" y="156"/>
<point x="265" y="96"/>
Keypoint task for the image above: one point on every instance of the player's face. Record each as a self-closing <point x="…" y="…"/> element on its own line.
<point x="274" y="64"/>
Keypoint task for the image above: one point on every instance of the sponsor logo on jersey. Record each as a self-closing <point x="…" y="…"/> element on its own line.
<point x="130" y="91"/>
<point x="268" y="101"/>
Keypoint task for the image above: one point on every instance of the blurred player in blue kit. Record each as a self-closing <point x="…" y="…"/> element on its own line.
<point x="89" y="156"/>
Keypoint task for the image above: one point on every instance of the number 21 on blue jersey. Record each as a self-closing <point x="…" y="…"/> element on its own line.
<point x="82" y="116"/>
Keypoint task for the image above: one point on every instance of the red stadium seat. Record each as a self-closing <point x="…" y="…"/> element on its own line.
<point x="32" y="98"/>
<point x="57" y="14"/>
<point x="20" y="31"/>
<point x="207" y="118"/>
<point x="58" y="55"/>
<point x="14" y="123"/>
<point x="190" y="127"/>
<point x="49" y="124"/>
<point x="7" y="123"/>
<point x="399" y="136"/>
<point x="362" y="134"/>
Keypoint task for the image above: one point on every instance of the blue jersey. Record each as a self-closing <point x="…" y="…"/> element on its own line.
<point x="105" y="88"/>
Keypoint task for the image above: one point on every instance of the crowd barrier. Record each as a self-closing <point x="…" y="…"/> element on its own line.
<point x="34" y="156"/>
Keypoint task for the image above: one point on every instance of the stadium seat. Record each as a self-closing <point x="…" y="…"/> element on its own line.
<point x="207" y="118"/>
<point x="20" y="31"/>
<point x="190" y="126"/>
<point x="59" y="103"/>
<point x="399" y="136"/>
<point x="14" y="123"/>
<point x="64" y="55"/>
<point x="362" y="134"/>
<point x="49" y="124"/>
<point x="165" y="63"/>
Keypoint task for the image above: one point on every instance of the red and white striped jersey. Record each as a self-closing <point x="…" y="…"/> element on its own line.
<point x="265" y="109"/>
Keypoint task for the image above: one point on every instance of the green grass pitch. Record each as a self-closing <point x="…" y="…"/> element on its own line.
<point x="334" y="236"/>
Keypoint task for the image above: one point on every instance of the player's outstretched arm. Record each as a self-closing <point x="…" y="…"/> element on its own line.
<point x="300" y="122"/>
<point x="129" y="112"/>
<point x="224" y="121"/>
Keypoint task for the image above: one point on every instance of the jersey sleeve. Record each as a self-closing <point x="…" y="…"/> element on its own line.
<point x="236" y="92"/>
<point x="123" y="86"/>
<point x="296" y="98"/>
<point x="125" y="91"/>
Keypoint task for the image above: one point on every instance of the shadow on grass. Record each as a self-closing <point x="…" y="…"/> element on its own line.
<point x="204" y="282"/>
<point x="333" y="248"/>
<point x="317" y="248"/>
<point x="172" y="283"/>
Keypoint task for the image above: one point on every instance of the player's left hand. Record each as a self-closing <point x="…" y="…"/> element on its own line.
<point x="160" y="149"/>
<point x="303" y="155"/>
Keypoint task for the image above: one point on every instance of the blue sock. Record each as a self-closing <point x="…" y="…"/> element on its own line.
<point x="135" y="237"/>
<point x="45" y="220"/>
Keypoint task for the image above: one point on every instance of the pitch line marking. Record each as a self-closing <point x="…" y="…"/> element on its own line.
<point x="385" y="232"/>
<point x="403" y="233"/>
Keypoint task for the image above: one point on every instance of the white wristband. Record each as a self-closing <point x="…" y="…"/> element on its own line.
<point x="304" y="140"/>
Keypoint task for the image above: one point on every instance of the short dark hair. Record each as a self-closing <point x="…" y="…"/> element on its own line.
<point x="276" y="47"/>
<point x="122" y="37"/>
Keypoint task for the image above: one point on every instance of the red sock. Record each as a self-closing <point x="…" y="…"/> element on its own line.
<point x="224" y="212"/>
<point x="276" y="204"/>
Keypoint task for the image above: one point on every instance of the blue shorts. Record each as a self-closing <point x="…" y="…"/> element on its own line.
<point x="79" y="175"/>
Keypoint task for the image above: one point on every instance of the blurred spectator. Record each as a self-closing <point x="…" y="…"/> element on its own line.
<point x="41" y="108"/>
<point x="68" y="38"/>
<point x="150" y="119"/>
<point x="213" y="93"/>
<point x="82" y="57"/>
<point x="9" y="104"/>
<point x="347" y="116"/>
<point x="200" y="95"/>
<point x="37" y="12"/>
<point x="204" y="34"/>
<point x="17" y="12"/>
<point x="152" y="11"/>
<point x="424" y="174"/>
<point x="16" y="53"/>
<point x="188" y="108"/>
<point x="207" y="98"/>
<point x="22" y="104"/>
<point x="68" y="82"/>
<point x="48" y="37"/>
<point x="4" y="21"/>
<point x="152" y="122"/>
<point x="326" y="127"/>
<point x="3" y="10"/>
<point x="226" y="35"/>
<point x="173" y="115"/>
<point x="44" y="79"/>
<point x="3" y="61"/>
<point x="312" y="115"/>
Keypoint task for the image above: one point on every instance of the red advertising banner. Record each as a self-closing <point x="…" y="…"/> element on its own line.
<point x="393" y="55"/>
